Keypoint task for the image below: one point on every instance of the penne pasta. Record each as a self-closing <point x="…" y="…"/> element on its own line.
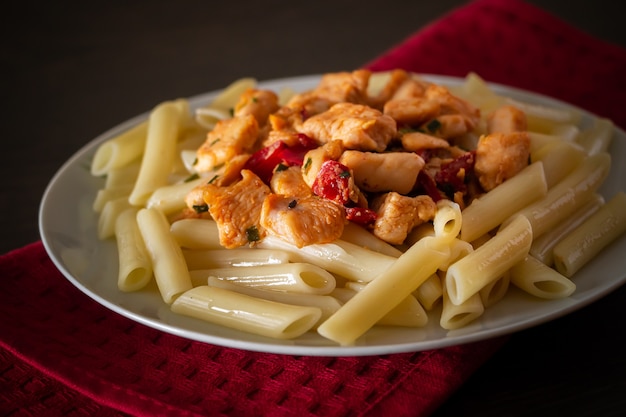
<point x="536" y="278"/>
<point x="326" y="303"/>
<point x="489" y="262"/>
<point x="107" y="194"/>
<point x="196" y="234"/>
<point x="495" y="291"/>
<point x="242" y="312"/>
<point x="568" y="195"/>
<point x="385" y="292"/>
<point x="120" y="150"/>
<point x="300" y="278"/>
<point x="222" y="258"/>
<point x="108" y="216"/>
<point x="558" y="160"/>
<point x="429" y="293"/>
<point x="346" y="259"/>
<point x="588" y="239"/>
<point x="454" y="316"/>
<point x="598" y="137"/>
<point x="357" y="235"/>
<point x="542" y="247"/>
<point x="164" y="125"/>
<point x="135" y="266"/>
<point x="170" y="270"/>
<point x="491" y="209"/>
<point x="171" y="198"/>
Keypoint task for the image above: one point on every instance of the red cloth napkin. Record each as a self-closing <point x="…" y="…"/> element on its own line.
<point x="64" y="354"/>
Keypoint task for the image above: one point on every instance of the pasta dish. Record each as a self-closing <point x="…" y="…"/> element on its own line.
<point x="373" y="199"/>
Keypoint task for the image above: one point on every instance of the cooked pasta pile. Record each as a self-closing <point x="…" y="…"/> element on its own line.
<point x="371" y="199"/>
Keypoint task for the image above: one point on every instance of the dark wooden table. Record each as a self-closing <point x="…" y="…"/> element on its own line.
<point x="73" y="69"/>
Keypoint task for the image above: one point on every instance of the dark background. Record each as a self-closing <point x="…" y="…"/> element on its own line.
<point x="71" y="70"/>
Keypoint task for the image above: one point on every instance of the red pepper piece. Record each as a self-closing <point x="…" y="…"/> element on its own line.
<point x="361" y="215"/>
<point x="333" y="182"/>
<point x="429" y="186"/>
<point x="452" y="176"/>
<point x="263" y="161"/>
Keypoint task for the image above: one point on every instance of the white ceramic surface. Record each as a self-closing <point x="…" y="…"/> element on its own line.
<point x="68" y="230"/>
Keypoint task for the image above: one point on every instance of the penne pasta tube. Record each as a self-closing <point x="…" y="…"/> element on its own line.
<point x="593" y="235"/>
<point x="489" y="262"/>
<point x="326" y="303"/>
<point x="120" y="150"/>
<point x="408" y="313"/>
<point x="135" y="266"/>
<point x="108" y="216"/>
<point x="107" y="194"/>
<point x="454" y="316"/>
<point x="385" y="292"/>
<point x="300" y="278"/>
<point x="568" y="195"/>
<point x="249" y="314"/>
<point x="598" y="137"/>
<point x="492" y="208"/>
<point x="126" y="175"/>
<point x="357" y="235"/>
<point x="495" y="291"/>
<point x="164" y="125"/>
<point x="221" y="258"/>
<point x="538" y="279"/>
<point x="458" y="249"/>
<point x="430" y="292"/>
<point x="448" y="220"/>
<point x="346" y="259"/>
<point x="559" y="159"/>
<point x="542" y="247"/>
<point x="171" y="198"/>
<point x="539" y="140"/>
<point x="170" y="270"/>
<point x="196" y="234"/>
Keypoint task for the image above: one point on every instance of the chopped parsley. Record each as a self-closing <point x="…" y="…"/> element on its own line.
<point x="252" y="234"/>
<point x="292" y="204"/>
<point x="201" y="208"/>
<point x="281" y="167"/>
<point x="307" y="164"/>
<point x="213" y="179"/>
<point x="433" y="125"/>
<point x="344" y="174"/>
<point x="192" y="177"/>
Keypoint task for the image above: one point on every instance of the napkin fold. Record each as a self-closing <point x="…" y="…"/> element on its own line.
<point x="62" y="353"/>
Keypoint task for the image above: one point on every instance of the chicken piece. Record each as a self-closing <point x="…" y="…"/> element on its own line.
<point x="315" y="158"/>
<point x="289" y="182"/>
<point x="398" y="215"/>
<point x="237" y="209"/>
<point x="258" y="103"/>
<point x="507" y="119"/>
<point x="500" y="156"/>
<point x="357" y="126"/>
<point x="344" y="86"/>
<point x="229" y="138"/>
<point x="415" y="141"/>
<point x="379" y="172"/>
<point x="451" y="104"/>
<point x="410" y="88"/>
<point x="302" y="221"/>
<point x="411" y="111"/>
<point x="396" y="78"/>
<point x="448" y="126"/>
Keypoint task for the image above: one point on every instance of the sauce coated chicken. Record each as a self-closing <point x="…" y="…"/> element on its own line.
<point x="341" y="153"/>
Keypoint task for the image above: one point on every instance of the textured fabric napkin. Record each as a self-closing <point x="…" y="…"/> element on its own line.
<point x="63" y="354"/>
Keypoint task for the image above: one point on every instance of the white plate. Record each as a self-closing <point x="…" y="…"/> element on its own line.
<point x="68" y="229"/>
